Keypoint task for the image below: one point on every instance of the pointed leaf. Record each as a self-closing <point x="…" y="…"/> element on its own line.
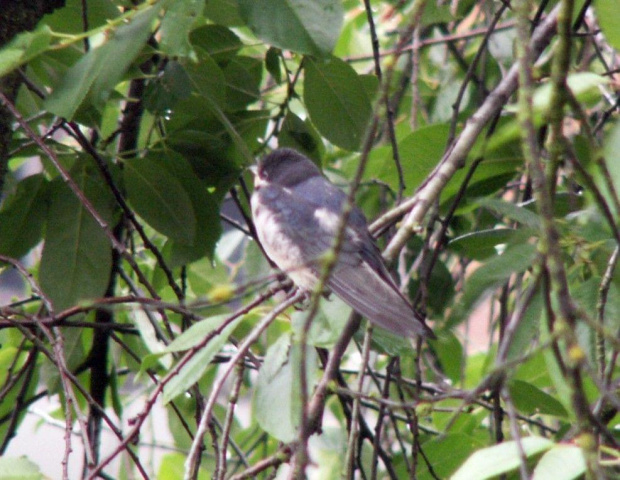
<point x="530" y="399"/>
<point x="492" y="274"/>
<point x="337" y="102"/>
<point x="160" y="199"/>
<point x="23" y="48"/>
<point x="562" y="462"/>
<point x="205" y="206"/>
<point x="195" y="334"/>
<point x="276" y="405"/>
<point x="98" y="72"/>
<point x="176" y="25"/>
<point x="498" y="459"/>
<point x="514" y="212"/>
<point x="77" y="255"/>
<point x="23" y="216"/>
<point x="19" y="468"/>
<point x="304" y="26"/>
<point x="194" y="369"/>
<point x="482" y="244"/>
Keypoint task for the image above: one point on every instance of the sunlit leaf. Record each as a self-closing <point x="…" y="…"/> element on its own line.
<point x="562" y="462"/>
<point x="304" y="26"/>
<point x="96" y="73"/>
<point x="194" y="369"/>
<point x="498" y="459"/>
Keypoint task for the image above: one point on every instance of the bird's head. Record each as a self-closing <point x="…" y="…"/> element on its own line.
<point x="284" y="167"/>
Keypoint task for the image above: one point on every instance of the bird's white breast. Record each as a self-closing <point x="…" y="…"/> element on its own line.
<point x="277" y="241"/>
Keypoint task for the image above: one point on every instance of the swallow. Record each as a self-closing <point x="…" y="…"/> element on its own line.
<point x="296" y="213"/>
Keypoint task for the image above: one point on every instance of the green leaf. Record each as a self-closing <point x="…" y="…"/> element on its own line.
<point x="176" y="25"/>
<point x="194" y="369"/>
<point x="490" y="175"/>
<point x="530" y="399"/>
<point x="13" y="359"/>
<point x="243" y="76"/>
<point x="19" y="468"/>
<point x="23" y="48"/>
<point x="612" y="155"/>
<point x="207" y="80"/>
<point x="607" y="16"/>
<point x="70" y="19"/>
<point x="327" y="324"/>
<point x="159" y="197"/>
<point x="450" y="354"/>
<point x="205" y="207"/>
<point x="561" y="462"/>
<point x="276" y="404"/>
<point x="195" y="334"/>
<point x="585" y="86"/>
<point x="419" y="152"/>
<point x="223" y="12"/>
<point x="482" y="244"/>
<point x="172" y="467"/>
<point x="305" y="26"/>
<point x="491" y="275"/>
<point x="91" y="79"/>
<point x="272" y="63"/>
<point x="337" y="102"/>
<point x="218" y="41"/>
<point x="23" y="216"/>
<point x="527" y="329"/>
<point x="163" y="93"/>
<point x="513" y="212"/>
<point x="446" y="452"/>
<point x="301" y="136"/>
<point x="77" y="255"/>
<point x="499" y="459"/>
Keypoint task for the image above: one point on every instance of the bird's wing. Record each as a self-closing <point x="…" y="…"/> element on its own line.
<point x="359" y="277"/>
<point x="368" y="292"/>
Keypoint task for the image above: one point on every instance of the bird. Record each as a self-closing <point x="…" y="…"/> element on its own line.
<point x="296" y="213"/>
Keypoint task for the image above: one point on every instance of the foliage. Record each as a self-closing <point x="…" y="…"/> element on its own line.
<point x="480" y="137"/>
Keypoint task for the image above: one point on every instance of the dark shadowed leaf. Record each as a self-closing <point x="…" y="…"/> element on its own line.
<point x="223" y="12"/>
<point x="160" y="198"/>
<point x="530" y="400"/>
<point x="482" y="244"/>
<point x="301" y="136"/>
<point x="492" y="274"/>
<point x="205" y="206"/>
<point x="22" y="217"/>
<point x="218" y="41"/>
<point x="272" y="63"/>
<point x="77" y="255"/>
<point x="243" y="76"/>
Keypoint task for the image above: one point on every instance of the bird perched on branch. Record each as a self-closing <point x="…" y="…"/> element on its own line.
<point x="297" y="214"/>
